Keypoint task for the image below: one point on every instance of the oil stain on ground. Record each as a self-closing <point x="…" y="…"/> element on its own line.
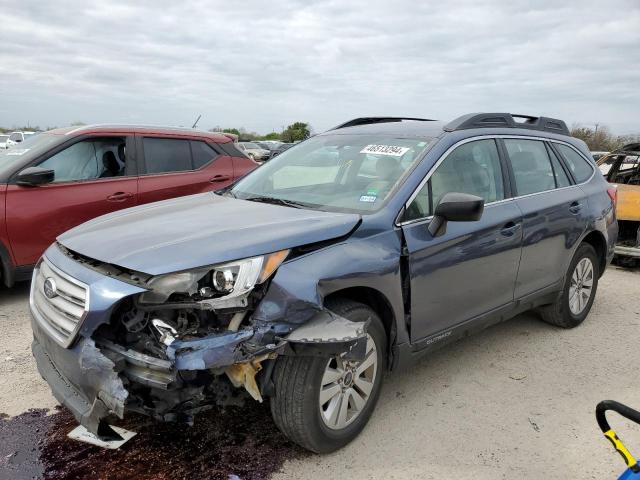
<point x="234" y="443"/>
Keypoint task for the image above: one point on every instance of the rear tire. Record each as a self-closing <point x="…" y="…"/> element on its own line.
<point x="299" y="381"/>
<point x="579" y="290"/>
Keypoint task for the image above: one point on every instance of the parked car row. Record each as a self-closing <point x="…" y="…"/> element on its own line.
<point x="64" y="177"/>
<point x="14" y="138"/>
<point x="308" y="278"/>
<point x="263" y="150"/>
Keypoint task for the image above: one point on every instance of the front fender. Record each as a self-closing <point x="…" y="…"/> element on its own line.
<point x="298" y="289"/>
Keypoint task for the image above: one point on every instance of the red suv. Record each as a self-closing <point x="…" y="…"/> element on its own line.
<point x="59" y="179"/>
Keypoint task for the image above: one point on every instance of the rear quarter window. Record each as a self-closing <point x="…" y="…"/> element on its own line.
<point x="579" y="166"/>
<point x="202" y="154"/>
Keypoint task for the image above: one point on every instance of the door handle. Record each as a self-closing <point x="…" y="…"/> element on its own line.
<point x="119" y="197"/>
<point x="220" y="178"/>
<point x="575" y="208"/>
<point x="510" y="229"/>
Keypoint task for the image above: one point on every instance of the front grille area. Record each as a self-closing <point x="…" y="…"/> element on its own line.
<point x="62" y="312"/>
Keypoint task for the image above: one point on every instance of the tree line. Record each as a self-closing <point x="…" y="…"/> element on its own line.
<point x="600" y="138"/>
<point x="295" y="132"/>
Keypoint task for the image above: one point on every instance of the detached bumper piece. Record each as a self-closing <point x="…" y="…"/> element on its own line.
<point x="329" y="334"/>
<point x="81" y="434"/>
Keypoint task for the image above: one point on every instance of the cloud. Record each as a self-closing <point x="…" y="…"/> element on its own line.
<point x="262" y="65"/>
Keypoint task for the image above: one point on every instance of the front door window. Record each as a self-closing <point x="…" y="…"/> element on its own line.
<point x="89" y="160"/>
<point x="472" y="168"/>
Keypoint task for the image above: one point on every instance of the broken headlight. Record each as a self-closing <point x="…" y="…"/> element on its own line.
<point x="226" y="281"/>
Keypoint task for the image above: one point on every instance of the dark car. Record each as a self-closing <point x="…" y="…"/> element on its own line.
<point x="270" y="145"/>
<point x="307" y="280"/>
<point x="56" y="180"/>
<point x="281" y="148"/>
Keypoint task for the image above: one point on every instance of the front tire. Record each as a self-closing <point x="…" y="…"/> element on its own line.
<point x="323" y="403"/>
<point x="581" y="283"/>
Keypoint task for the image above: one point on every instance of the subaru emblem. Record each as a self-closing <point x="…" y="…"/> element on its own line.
<point x="50" y="288"/>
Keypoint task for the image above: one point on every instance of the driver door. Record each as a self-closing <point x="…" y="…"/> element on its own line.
<point x="83" y="189"/>
<point x="471" y="269"/>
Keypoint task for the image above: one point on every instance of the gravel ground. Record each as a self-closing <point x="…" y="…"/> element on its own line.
<point x="514" y="401"/>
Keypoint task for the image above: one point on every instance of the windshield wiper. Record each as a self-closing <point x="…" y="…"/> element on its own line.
<point x="279" y="201"/>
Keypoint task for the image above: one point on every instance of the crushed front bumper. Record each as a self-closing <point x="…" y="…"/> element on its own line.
<point x="94" y="383"/>
<point x="89" y="386"/>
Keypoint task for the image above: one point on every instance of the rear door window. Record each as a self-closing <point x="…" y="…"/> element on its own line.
<point x="531" y="166"/>
<point x="162" y="155"/>
<point x="579" y="166"/>
<point x="562" y="179"/>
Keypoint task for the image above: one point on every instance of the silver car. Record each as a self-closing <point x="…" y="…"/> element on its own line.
<point x="254" y="151"/>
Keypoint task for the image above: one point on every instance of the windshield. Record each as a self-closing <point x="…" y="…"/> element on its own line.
<point x="354" y="173"/>
<point x="252" y="145"/>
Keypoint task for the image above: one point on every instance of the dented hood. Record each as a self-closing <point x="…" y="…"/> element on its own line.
<point x="199" y="230"/>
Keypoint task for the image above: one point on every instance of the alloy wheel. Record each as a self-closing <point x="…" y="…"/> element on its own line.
<point x="346" y="387"/>
<point x="581" y="286"/>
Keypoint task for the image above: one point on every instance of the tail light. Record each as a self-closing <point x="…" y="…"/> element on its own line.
<point x="613" y="194"/>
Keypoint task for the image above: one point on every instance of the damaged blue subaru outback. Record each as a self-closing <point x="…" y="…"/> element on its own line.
<point x="351" y="254"/>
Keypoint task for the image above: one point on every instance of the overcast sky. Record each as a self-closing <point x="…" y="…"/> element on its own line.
<point x="265" y="64"/>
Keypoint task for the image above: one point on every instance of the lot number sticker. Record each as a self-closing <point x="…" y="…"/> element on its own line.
<point x="391" y="150"/>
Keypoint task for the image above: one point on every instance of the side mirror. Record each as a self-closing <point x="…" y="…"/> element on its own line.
<point x="34" y="176"/>
<point x="455" y="207"/>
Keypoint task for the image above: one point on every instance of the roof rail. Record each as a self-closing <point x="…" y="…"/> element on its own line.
<point x="507" y="120"/>
<point x="369" y="120"/>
